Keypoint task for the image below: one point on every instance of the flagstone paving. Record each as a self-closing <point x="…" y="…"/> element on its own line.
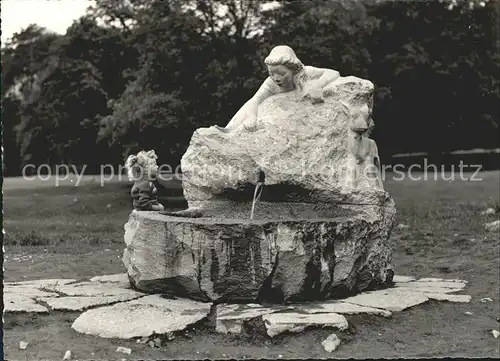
<point x="111" y="309"/>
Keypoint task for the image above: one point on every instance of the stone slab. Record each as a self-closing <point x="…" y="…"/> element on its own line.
<point x="393" y="300"/>
<point x="449" y="298"/>
<point x="94" y="289"/>
<point x="341" y="308"/>
<point x="277" y="323"/>
<point x="425" y="288"/>
<point x="121" y="279"/>
<point x="432" y="279"/>
<point x="231" y="317"/>
<point x="30" y="292"/>
<point x="41" y="283"/>
<point x="331" y="343"/>
<point x="81" y="303"/>
<point x="401" y="279"/>
<point x="19" y="303"/>
<point x="430" y="284"/>
<point x="141" y="317"/>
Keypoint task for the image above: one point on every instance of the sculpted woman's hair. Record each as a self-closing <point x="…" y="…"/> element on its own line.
<point x="284" y="55"/>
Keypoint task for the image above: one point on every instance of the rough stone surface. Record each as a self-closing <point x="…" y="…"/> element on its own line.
<point x="125" y="350"/>
<point x="393" y="300"/>
<point x="265" y="260"/>
<point x="141" y="317"/>
<point x="82" y="303"/>
<point x="488" y="211"/>
<point x="493" y="226"/>
<point x="309" y="153"/>
<point x="67" y="355"/>
<point x="20" y="303"/>
<point x="231" y="317"/>
<point x="277" y="323"/>
<point x="331" y="343"/>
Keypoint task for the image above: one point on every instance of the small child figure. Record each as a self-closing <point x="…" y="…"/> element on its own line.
<point x="142" y="169"/>
<point x="363" y="164"/>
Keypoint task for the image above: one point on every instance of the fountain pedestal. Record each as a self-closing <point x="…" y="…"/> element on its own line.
<point x="304" y="252"/>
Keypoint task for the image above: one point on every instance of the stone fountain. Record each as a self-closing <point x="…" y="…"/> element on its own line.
<point x="321" y="226"/>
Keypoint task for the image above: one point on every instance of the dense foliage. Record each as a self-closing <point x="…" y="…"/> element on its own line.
<point x="134" y="74"/>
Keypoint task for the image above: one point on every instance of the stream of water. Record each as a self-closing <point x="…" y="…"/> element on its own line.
<point x="256" y="195"/>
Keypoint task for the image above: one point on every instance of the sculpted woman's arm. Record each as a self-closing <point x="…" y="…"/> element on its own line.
<point x="322" y="76"/>
<point x="328" y="76"/>
<point x="318" y="79"/>
<point x="248" y="112"/>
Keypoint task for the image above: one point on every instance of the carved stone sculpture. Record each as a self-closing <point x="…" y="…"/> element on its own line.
<point x="142" y="169"/>
<point x="363" y="160"/>
<point x="321" y="226"/>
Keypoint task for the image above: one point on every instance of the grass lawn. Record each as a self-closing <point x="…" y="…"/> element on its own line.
<point x="75" y="232"/>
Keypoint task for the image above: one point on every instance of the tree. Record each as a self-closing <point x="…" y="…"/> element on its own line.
<point x="433" y="73"/>
<point x="326" y="33"/>
<point x="105" y="48"/>
<point x="56" y="127"/>
<point x="136" y="74"/>
<point x="11" y="154"/>
<point x="190" y="74"/>
<point x="57" y="97"/>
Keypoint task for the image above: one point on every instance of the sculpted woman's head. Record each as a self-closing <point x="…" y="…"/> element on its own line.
<point x="283" y="65"/>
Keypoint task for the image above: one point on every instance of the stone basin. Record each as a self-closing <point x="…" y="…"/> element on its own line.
<point x="289" y="252"/>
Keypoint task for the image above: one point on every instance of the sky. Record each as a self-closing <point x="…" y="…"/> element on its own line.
<point x="55" y="15"/>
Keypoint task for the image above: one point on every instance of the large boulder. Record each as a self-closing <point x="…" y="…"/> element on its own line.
<point x="273" y="259"/>
<point x="314" y="235"/>
<point x="301" y="148"/>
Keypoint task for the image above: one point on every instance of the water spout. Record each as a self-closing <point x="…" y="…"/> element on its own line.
<point x="257" y="192"/>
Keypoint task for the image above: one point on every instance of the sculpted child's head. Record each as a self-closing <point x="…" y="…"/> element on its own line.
<point x="142" y="166"/>
<point x="360" y="117"/>
<point x="282" y="65"/>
